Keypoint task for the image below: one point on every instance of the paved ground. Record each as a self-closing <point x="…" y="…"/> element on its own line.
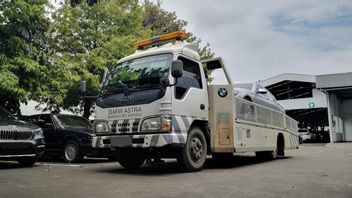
<point x="311" y="171"/>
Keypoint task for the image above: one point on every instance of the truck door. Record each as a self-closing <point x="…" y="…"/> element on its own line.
<point x="190" y="93"/>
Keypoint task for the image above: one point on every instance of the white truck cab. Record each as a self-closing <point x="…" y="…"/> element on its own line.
<point x="157" y="103"/>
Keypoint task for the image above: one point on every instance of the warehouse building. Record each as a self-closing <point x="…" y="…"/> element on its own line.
<point x="322" y="104"/>
<point x="338" y="88"/>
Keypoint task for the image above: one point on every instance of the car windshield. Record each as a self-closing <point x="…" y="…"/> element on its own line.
<point x="69" y="121"/>
<point x="5" y="115"/>
<point x="139" y="72"/>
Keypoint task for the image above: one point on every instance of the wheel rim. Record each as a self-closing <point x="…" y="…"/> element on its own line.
<point x="196" y="149"/>
<point x="70" y="152"/>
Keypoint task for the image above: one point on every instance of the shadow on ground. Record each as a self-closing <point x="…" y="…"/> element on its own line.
<point x="14" y="164"/>
<point x="172" y="167"/>
<point x="11" y="165"/>
<point x="83" y="161"/>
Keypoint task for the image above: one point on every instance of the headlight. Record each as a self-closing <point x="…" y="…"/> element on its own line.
<point x="151" y="124"/>
<point x="161" y="123"/>
<point x="101" y="127"/>
<point x="38" y="132"/>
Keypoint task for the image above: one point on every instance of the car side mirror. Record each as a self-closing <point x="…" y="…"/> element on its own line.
<point x="176" y="68"/>
<point x="262" y="91"/>
<point x="48" y="125"/>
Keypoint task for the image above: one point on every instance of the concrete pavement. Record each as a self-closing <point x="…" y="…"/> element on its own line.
<point x="312" y="171"/>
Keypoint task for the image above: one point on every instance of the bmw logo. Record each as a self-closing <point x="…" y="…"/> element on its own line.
<point x="222" y="92"/>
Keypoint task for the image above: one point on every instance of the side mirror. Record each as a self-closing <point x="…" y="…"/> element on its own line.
<point x="48" y="126"/>
<point x="82" y="87"/>
<point x="164" y="81"/>
<point x="176" y="68"/>
<point x="262" y="91"/>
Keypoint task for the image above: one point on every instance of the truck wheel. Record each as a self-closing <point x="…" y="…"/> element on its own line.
<point x="71" y="152"/>
<point x="194" y="154"/>
<point x="131" y="159"/>
<point x="27" y="162"/>
<point x="267" y="155"/>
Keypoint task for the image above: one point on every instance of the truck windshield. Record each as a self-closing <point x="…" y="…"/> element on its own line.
<point x="139" y="72"/>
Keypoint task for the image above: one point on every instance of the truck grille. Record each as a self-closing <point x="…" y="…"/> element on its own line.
<point x="125" y="126"/>
<point x="15" y="135"/>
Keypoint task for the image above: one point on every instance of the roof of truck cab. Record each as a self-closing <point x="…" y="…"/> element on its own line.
<point x="180" y="47"/>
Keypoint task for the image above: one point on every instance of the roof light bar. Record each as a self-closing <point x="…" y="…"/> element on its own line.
<point x="179" y="35"/>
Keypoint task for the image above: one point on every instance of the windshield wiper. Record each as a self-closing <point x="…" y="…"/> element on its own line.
<point x="108" y="92"/>
<point x="141" y="88"/>
<point x="128" y="90"/>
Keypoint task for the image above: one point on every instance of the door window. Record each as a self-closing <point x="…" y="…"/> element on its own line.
<point x="191" y="77"/>
<point x="45" y="121"/>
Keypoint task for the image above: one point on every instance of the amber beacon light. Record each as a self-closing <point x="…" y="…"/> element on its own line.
<point x="179" y="35"/>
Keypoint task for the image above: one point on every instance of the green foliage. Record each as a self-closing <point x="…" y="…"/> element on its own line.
<point x="161" y="21"/>
<point x="23" y="51"/>
<point x="86" y="40"/>
<point x="43" y="55"/>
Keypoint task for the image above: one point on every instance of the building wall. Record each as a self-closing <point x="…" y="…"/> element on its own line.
<point x="334" y="80"/>
<point x="335" y="119"/>
<point x="318" y="99"/>
<point x="346" y="116"/>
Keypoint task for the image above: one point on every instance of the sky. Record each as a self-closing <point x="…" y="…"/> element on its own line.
<point x="259" y="39"/>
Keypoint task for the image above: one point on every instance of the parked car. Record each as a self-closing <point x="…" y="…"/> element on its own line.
<point x="304" y="135"/>
<point x="67" y="136"/>
<point x="255" y="92"/>
<point x="20" y="141"/>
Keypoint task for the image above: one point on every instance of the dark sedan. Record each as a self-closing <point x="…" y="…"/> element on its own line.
<point x="20" y="141"/>
<point x="66" y="136"/>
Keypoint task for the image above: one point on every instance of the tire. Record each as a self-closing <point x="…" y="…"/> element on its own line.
<point x="112" y="158"/>
<point x="267" y="155"/>
<point x="27" y="162"/>
<point x="280" y="146"/>
<point x="131" y="160"/>
<point x="71" y="152"/>
<point x="192" y="157"/>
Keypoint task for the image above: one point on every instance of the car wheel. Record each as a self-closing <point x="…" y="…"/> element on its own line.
<point x="71" y="152"/>
<point x="192" y="157"/>
<point x="27" y="162"/>
<point x="131" y="159"/>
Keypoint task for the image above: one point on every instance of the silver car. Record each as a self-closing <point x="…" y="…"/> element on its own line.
<point x="256" y="93"/>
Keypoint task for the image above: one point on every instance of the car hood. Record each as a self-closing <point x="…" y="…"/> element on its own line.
<point x="17" y="124"/>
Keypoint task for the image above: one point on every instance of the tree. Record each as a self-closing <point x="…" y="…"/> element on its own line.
<point x="23" y="51"/>
<point x="86" y="39"/>
<point x="161" y="21"/>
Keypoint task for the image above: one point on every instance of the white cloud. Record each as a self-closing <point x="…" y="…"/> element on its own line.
<point x="257" y="44"/>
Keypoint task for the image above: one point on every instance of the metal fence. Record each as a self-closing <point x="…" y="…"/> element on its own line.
<point x="258" y="114"/>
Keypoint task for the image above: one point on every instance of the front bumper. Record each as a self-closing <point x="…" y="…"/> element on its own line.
<point x="139" y="141"/>
<point x="19" y="149"/>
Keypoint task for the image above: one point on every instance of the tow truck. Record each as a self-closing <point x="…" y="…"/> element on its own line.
<point x="158" y="103"/>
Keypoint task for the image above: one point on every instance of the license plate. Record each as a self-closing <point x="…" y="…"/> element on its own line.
<point x="14" y="146"/>
<point x="121" y="141"/>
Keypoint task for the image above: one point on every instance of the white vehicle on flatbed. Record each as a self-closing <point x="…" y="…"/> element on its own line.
<point x="157" y="103"/>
